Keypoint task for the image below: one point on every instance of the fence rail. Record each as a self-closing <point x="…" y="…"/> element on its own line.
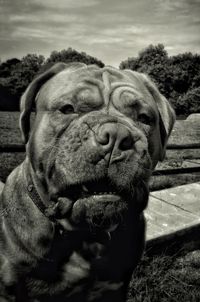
<point x="21" y="147"/>
<point x="181" y="164"/>
<point x="12" y="148"/>
<point x="15" y="148"/>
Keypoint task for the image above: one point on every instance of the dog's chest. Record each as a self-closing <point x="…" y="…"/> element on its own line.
<point x="82" y="273"/>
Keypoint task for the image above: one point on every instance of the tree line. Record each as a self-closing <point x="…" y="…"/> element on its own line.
<point x="177" y="77"/>
<point x="15" y="74"/>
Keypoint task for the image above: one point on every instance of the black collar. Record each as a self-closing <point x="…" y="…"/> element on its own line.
<point x="48" y="211"/>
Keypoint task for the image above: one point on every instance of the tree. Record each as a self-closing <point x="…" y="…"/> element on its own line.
<point x="150" y="56"/>
<point x="7" y="67"/>
<point x="189" y="102"/>
<point x="71" y="55"/>
<point x="176" y="76"/>
<point x="15" y="77"/>
<point x="153" y="61"/>
<point x="24" y="73"/>
<point x="186" y="68"/>
<point x="8" y="102"/>
<point x="196" y="80"/>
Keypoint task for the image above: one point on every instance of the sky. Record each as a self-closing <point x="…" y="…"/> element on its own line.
<point x="110" y="30"/>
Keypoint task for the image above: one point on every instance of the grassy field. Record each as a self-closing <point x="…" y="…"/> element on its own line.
<point x="167" y="279"/>
<point x="9" y="133"/>
<point x="9" y="128"/>
<point x="157" y="279"/>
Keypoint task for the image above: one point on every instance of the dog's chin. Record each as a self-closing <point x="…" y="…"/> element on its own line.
<point x="92" y="205"/>
<point x="99" y="211"/>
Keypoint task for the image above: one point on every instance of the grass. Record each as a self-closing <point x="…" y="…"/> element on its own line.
<point x="167" y="279"/>
<point x="9" y="128"/>
<point x="161" y="278"/>
<point x="9" y="133"/>
<point x="8" y="162"/>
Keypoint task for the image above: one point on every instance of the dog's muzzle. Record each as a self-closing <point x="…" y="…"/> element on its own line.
<point x="115" y="140"/>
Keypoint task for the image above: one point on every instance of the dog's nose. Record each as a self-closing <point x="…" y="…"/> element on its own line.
<point x="115" y="139"/>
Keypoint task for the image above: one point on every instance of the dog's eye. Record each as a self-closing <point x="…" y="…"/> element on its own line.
<point x="67" y="109"/>
<point x="144" y="119"/>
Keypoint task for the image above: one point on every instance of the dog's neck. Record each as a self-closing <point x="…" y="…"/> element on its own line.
<point x="37" y="194"/>
<point x="48" y="208"/>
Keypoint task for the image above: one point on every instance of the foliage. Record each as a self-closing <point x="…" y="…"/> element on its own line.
<point x="71" y="55"/>
<point x="147" y="58"/>
<point x="7" y="100"/>
<point x="7" y="67"/>
<point x="16" y="78"/>
<point x="189" y="102"/>
<point x="15" y="75"/>
<point x="24" y="72"/>
<point x="175" y="76"/>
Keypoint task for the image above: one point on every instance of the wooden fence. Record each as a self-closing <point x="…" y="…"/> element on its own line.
<point x="181" y="166"/>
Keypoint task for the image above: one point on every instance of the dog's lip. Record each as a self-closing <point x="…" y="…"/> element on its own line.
<point x="100" y="187"/>
<point x="68" y="226"/>
<point x="76" y="201"/>
<point x="95" y="193"/>
<point x="89" y="188"/>
<point x="65" y="204"/>
<point x="86" y="194"/>
<point x="101" y="196"/>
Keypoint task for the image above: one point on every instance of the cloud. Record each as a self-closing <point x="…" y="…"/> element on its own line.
<point x="171" y="5"/>
<point x="66" y="4"/>
<point x="45" y="16"/>
<point x="111" y="30"/>
<point x="29" y="33"/>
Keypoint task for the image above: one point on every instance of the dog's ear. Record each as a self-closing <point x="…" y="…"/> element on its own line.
<point x="166" y="112"/>
<point x="28" y="98"/>
<point x="167" y="115"/>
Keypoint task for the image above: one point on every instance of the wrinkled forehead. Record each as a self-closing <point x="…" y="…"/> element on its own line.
<point x="105" y="81"/>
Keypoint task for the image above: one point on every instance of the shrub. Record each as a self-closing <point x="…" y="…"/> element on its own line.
<point x="189" y="102"/>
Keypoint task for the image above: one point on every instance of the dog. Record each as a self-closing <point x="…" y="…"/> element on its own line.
<point x="72" y="223"/>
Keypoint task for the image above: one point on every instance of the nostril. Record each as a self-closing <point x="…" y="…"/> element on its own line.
<point x="104" y="138"/>
<point x="126" y="143"/>
<point x="115" y="137"/>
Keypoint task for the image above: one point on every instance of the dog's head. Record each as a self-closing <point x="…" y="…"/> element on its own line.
<point x="97" y="135"/>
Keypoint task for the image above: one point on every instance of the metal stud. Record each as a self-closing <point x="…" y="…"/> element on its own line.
<point x="30" y="188"/>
